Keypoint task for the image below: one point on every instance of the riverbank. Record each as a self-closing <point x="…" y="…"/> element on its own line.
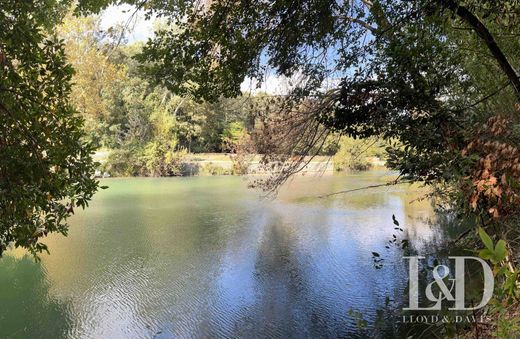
<point x="208" y="164"/>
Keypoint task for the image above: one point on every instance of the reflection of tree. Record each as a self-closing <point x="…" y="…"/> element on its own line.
<point x="26" y="309"/>
<point x="280" y="289"/>
<point x="306" y="280"/>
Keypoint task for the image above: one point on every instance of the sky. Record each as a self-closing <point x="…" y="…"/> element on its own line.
<point x="139" y="28"/>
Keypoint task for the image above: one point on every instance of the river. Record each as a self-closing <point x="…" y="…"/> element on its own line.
<point x="207" y="257"/>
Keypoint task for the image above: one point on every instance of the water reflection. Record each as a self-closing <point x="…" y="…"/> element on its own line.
<point x="27" y="308"/>
<point x="205" y="257"/>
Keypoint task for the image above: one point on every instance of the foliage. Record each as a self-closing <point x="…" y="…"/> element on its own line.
<point x="437" y="80"/>
<point x="495" y="184"/>
<point x="494" y="254"/>
<point x="401" y="69"/>
<point x="141" y="122"/>
<point x="231" y="136"/>
<point x="97" y="81"/>
<point x="122" y="162"/>
<point x="353" y="153"/>
<point x="214" y="169"/>
<point x="45" y="163"/>
<point x="162" y="159"/>
<point x="504" y="305"/>
<point x="423" y="75"/>
<point x="147" y="127"/>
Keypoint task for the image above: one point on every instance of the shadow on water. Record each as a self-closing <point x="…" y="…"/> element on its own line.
<point x="26" y="309"/>
<point x="206" y="257"/>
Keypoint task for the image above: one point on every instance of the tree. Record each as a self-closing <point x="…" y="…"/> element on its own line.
<point x="46" y="169"/>
<point x="420" y="72"/>
<point x="98" y="81"/>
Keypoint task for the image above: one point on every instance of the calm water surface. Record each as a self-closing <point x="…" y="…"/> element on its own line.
<point x="206" y="257"/>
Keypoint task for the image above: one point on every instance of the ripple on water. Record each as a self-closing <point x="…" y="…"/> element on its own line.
<point x="204" y="257"/>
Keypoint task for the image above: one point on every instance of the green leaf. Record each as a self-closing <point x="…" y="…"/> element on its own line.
<point x="486" y="239"/>
<point x="500" y="250"/>
<point x="375" y="254"/>
<point x="485" y="254"/>
<point x="396" y="223"/>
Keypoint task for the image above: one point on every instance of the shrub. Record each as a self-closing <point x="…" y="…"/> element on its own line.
<point x="161" y="159"/>
<point x="212" y="169"/>
<point x="157" y="158"/>
<point x="353" y="152"/>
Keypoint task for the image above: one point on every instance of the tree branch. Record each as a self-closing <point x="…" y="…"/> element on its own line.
<point x="359" y="22"/>
<point x="391" y="183"/>
<point x="488" y="39"/>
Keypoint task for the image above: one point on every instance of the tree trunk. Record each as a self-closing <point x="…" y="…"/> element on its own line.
<point x="488" y="39"/>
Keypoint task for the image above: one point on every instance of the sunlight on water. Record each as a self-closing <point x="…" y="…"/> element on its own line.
<point x="205" y="257"/>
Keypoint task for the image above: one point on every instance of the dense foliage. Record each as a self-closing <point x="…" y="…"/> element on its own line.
<point x="46" y="167"/>
<point x="424" y="75"/>
<point x="144" y="127"/>
<point x="435" y="79"/>
<point x="402" y="71"/>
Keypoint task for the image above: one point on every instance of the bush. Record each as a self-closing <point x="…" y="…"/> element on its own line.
<point x="232" y="137"/>
<point x="212" y="169"/>
<point x="240" y="164"/>
<point x="353" y="152"/>
<point x="161" y="160"/>
<point x="121" y="162"/>
<point x="157" y="158"/>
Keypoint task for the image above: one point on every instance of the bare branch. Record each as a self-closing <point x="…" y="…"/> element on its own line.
<point x="367" y="3"/>
<point x="359" y="22"/>
<point x="391" y="183"/>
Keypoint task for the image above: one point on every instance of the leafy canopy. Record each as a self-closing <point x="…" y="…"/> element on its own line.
<point x="46" y="169"/>
<point x="413" y="71"/>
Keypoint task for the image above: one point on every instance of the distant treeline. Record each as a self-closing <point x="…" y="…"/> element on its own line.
<point x="147" y="129"/>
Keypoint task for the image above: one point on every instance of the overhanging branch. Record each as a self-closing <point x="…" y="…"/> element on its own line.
<point x="488" y="39"/>
<point x="359" y="22"/>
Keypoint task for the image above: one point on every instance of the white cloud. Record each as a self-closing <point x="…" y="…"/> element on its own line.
<point x="272" y="84"/>
<point x="138" y="29"/>
<point x="280" y="85"/>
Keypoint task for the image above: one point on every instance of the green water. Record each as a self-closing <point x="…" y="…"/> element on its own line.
<point x="206" y="257"/>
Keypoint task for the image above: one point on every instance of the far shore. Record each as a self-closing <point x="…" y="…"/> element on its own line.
<point x="211" y="164"/>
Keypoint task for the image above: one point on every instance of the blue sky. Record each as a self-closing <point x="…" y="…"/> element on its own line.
<point x="140" y="29"/>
